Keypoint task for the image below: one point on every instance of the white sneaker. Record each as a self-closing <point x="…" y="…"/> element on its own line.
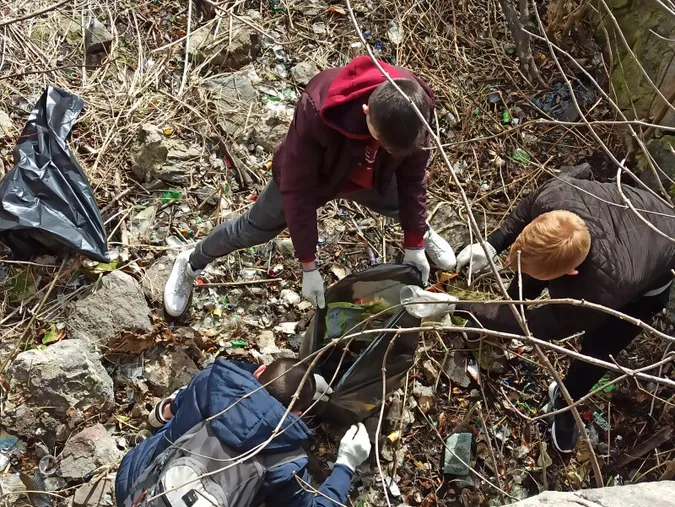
<point x="178" y="290"/>
<point x="439" y="251"/>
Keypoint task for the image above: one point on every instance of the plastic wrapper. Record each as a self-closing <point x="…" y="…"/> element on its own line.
<point x="362" y="301"/>
<point x="46" y="203"/>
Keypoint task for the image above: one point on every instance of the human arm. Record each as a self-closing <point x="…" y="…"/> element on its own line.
<point x="475" y="256"/>
<point x="302" y="158"/>
<point x="291" y="486"/>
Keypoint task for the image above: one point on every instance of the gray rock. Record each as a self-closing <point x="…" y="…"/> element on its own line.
<point x="155" y="279"/>
<point x="86" y="451"/>
<point x="634" y="495"/>
<point x="230" y="50"/>
<point x="6" y="125"/>
<point x="304" y="72"/>
<point x="271" y="138"/>
<point x="154" y="156"/>
<point x="169" y="371"/>
<point x="579" y="172"/>
<point x="662" y="151"/>
<point x="458" y="454"/>
<point x="294" y="342"/>
<point x="96" y="494"/>
<point x="233" y="96"/>
<point x="11" y="489"/>
<point x="97" y="38"/>
<point x="63" y="376"/>
<point x="117" y="306"/>
<point x="55" y="484"/>
<point x="266" y="343"/>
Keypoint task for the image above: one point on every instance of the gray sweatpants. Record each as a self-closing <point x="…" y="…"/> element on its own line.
<point x="265" y="220"/>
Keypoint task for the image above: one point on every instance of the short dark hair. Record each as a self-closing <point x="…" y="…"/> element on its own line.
<point x="394" y="118"/>
<point x="290" y="375"/>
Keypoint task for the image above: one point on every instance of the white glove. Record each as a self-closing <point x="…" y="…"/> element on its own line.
<point x="322" y="388"/>
<point x="418" y="258"/>
<point x="312" y="287"/>
<point x="156" y="418"/>
<point x="474" y="255"/>
<point x="354" y="447"/>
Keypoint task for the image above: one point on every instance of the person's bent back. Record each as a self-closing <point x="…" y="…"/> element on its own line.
<point x="226" y="447"/>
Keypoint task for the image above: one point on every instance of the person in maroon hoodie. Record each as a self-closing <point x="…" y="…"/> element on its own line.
<point x="353" y="136"/>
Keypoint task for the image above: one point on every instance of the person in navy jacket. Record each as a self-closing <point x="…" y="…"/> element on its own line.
<point x="249" y="423"/>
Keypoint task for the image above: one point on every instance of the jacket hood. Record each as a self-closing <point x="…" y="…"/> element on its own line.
<point x="341" y="107"/>
<point x="252" y="420"/>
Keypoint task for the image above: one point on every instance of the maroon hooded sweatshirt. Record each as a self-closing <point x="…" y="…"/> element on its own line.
<point x="324" y="154"/>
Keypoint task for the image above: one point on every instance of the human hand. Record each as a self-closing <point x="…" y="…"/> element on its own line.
<point x="312" y="287"/>
<point x="322" y="388"/>
<point x="161" y="414"/>
<point x="418" y="258"/>
<point x="474" y="256"/>
<point x="354" y="447"/>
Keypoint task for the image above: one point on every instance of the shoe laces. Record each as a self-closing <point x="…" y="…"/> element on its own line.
<point x="185" y="279"/>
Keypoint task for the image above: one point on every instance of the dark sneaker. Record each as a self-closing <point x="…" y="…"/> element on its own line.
<point x="564" y="431"/>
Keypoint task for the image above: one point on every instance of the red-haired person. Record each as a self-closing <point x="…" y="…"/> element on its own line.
<point x="579" y="240"/>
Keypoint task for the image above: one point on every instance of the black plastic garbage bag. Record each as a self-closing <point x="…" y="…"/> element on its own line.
<point x="358" y="391"/>
<point x="46" y="203"/>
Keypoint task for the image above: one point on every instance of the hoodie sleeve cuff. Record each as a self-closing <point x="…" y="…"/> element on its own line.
<point x="413" y="240"/>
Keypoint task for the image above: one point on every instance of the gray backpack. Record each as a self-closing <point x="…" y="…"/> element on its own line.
<point x="197" y="471"/>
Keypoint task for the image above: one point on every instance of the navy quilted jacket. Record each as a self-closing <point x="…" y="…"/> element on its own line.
<point x="244" y="426"/>
<point x="626" y="260"/>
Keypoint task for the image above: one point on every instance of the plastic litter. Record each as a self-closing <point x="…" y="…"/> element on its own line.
<point x="46" y="203"/>
<point x="437" y="304"/>
<point x="457" y="454"/>
<point x="47" y="465"/>
<point x="357" y="390"/>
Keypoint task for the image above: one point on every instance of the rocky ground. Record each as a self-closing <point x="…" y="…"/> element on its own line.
<point x="174" y="146"/>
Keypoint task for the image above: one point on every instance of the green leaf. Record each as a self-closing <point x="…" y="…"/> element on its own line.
<point x="23" y="286"/>
<point x="521" y="156"/>
<point x="171" y="195"/>
<point x="52" y="334"/>
<point x="104" y="267"/>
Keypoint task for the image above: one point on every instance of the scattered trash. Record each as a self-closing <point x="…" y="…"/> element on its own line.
<point x="46" y="203"/>
<point x="395" y="33"/>
<point x="424" y="304"/>
<point x="47" y="465"/>
<point x="558" y="101"/>
<point x="457" y="454"/>
<point x="600" y="421"/>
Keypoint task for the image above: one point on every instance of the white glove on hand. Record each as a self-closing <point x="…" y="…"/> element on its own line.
<point x="474" y="255"/>
<point x="156" y="418"/>
<point x="312" y="287"/>
<point x="322" y="388"/>
<point x="418" y="258"/>
<point x="354" y="447"/>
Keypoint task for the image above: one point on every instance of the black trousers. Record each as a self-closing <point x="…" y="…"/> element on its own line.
<point x="610" y="338"/>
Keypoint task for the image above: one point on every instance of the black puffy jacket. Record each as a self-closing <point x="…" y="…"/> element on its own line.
<point x="627" y="258"/>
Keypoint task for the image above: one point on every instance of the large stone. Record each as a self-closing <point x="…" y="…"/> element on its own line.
<point x="304" y="72"/>
<point x="155" y="279"/>
<point x="232" y="96"/>
<point x="86" y="451"/>
<point x="154" y="155"/>
<point x="97" y="38"/>
<point x="168" y="371"/>
<point x="96" y="494"/>
<point x="117" y="306"/>
<point x="271" y="138"/>
<point x="634" y="495"/>
<point x="11" y="490"/>
<point x="63" y="376"/>
<point x="645" y="25"/>
<point x="662" y="151"/>
<point x="231" y="50"/>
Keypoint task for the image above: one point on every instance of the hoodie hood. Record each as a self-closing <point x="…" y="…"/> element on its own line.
<point x="252" y="420"/>
<point x="341" y="108"/>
